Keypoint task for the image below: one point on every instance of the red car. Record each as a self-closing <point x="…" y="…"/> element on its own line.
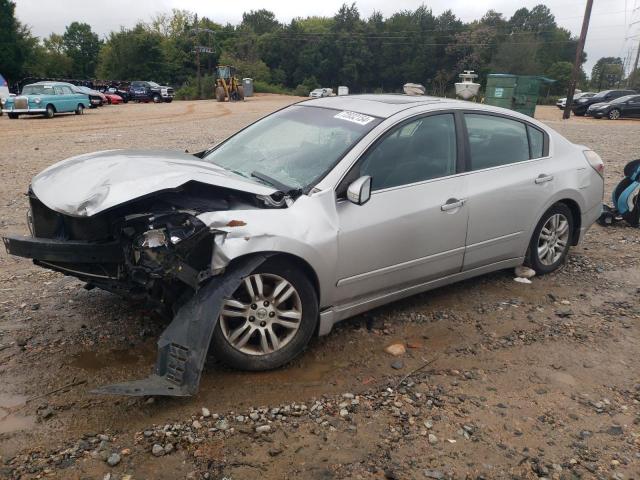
<point x="112" y="98"/>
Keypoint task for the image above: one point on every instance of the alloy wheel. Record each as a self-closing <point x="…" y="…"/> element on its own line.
<point x="614" y="114"/>
<point x="553" y="239"/>
<point x="263" y="315"/>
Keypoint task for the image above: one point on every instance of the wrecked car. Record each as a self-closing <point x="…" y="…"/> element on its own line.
<point x="313" y="214"/>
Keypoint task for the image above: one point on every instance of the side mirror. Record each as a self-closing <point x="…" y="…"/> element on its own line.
<point x="359" y="191"/>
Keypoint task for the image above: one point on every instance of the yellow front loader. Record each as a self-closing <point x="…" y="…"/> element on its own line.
<point x="227" y="84"/>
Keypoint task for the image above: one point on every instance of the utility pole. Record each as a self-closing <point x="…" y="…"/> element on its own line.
<point x="578" y="63"/>
<point x="198" y="49"/>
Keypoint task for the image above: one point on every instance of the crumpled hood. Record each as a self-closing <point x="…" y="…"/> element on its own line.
<point x="88" y="184"/>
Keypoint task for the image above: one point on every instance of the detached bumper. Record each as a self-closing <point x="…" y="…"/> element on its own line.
<point x="49" y="250"/>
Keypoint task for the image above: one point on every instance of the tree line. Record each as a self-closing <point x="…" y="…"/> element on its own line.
<point x="367" y="54"/>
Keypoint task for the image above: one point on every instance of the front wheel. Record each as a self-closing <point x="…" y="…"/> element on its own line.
<point x="614" y="114"/>
<point x="50" y="112"/>
<point x="551" y="239"/>
<point x="269" y="319"/>
<point x="157" y="98"/>
<point x="220" y="94"/>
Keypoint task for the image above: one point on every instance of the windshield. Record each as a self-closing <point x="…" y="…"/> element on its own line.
<point x="153" y="84"/>
<point x="294" y="147"/>
<point x="38" y="90"/>
<point x="622" y="99"/>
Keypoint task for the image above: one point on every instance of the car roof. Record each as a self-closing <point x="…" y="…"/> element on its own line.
<point x="376" y="105"/>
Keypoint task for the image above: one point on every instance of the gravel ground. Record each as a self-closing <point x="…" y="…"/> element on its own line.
<point x="497" y="380"/>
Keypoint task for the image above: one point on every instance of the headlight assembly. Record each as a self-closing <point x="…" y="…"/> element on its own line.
<point x="37" y="100"/>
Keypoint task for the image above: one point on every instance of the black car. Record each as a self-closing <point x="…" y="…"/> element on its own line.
<point x="628" y="106"/>
<point x="581" y="105"/>
<point x="150" y="91"/>
<point x="119" y="89"/>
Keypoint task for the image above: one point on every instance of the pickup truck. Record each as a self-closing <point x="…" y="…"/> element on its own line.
<point x="141" y="91"/>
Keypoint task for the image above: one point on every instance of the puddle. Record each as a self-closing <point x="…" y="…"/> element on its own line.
<point x="92" y="361"/>
<point x="11" y="419"/>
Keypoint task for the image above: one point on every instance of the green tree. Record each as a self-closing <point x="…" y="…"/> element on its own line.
<point x="12" y="41"/>
<point x="260" y="21"/>
<point x="607" y="73"/>
<point x="82" y="46"/>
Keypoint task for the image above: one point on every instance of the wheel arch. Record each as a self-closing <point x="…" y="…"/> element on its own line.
<point x="576" y="213"/>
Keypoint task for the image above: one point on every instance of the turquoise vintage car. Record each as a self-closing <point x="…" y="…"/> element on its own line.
<point x="46" y="98"/>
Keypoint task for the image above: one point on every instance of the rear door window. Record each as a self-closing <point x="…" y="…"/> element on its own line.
<point x="536" y="142"/>
<point x="496" y="141"/>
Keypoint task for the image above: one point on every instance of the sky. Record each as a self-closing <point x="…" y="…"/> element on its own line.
<point x="614" y="28"/>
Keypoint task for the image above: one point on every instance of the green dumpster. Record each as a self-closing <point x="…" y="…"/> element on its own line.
<point x="515" y="92"/>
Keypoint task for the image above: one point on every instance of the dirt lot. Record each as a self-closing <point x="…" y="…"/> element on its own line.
<point x="517" y="381"/>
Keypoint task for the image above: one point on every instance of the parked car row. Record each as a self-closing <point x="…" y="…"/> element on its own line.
<point x="51" y="97"/>
<point x="562" y="102"/>
<point x="582" y="104"/>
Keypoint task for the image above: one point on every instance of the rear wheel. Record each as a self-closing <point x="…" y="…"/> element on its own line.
<point x="551" y="239"/>
<point x="50" y="112"/>
<point x="614" y="114"/>
<point x="220" y="95"/>
<point x="14" y="116"/>
<point x="79" y="109"/>
<point x="269" y="319"/>
<point x="240" y="93"/>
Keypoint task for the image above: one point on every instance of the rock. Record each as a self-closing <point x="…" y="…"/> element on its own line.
<point x="344" y="412"/>
<point x="205" y="412"/>
<point x="196" y="424"/>
<point x="428" y="424"/>
<point x="46" y="413"/>
<point x="273" y="451"/>
<point x="114" y="459"/>
<point x="615" y="430"/>
<point x="254" y="416"/>
<point x="433" y="439"/>
<point x="524" y="272"/>
<point x="522" y="280"/>
<point x="263" y="429"/>
<point x="397" y="364"/>
<point x="222" y="425"/>
<point x="348" y="396"/>
<point x="436" y="474"/>
<point x="157" y="450"/>
<point x="168" y="448"/>
<point x="396" y="349"/>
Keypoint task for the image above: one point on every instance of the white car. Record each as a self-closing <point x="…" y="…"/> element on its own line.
<point x="562" y="102"/>
<point x="4" y="92"/>
<point x="321" y="92"/>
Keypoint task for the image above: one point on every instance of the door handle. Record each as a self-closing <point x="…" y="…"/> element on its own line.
<point x="452" y="204"/>
<point x="543" y="178"/>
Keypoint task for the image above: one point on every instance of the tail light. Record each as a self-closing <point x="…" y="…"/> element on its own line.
<point x="595" y="161"/>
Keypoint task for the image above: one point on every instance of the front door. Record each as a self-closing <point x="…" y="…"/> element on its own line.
<point x="414" y="226"/>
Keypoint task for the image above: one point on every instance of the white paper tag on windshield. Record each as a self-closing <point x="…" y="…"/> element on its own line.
<point x="354" y="117"/>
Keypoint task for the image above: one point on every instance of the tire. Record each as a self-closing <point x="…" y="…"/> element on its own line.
<point x="157" y="98"/>
<point x="253" y="356"/>
<point x="50" y="111"/>
<point x="614" y="114"/>
<point x="541" y="261"/>
<point x="220" y="95"/>
<point x="168" y="100"/>
<point x="79" y="109"/>
<point x="241" y="93"/>
<point x="13" y="116"/>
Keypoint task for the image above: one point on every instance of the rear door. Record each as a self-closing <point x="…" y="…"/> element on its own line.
<point x="632" y="108"/>
<point x="510" y="180"/>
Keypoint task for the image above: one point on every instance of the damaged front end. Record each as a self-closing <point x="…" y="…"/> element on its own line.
<point x="157" y="249"/>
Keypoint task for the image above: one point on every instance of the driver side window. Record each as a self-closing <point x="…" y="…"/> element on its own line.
<point x="416" y="151"/>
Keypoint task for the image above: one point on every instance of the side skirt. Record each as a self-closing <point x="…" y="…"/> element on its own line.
<point x="331" y="316"/>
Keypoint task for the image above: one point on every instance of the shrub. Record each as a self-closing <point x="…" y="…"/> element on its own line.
<point x="264" y="87"/>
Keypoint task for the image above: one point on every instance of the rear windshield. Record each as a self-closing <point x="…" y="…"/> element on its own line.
<point x="38" y="90"/>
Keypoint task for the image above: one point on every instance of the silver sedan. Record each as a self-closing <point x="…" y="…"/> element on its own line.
<point x="318" y="212"/>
